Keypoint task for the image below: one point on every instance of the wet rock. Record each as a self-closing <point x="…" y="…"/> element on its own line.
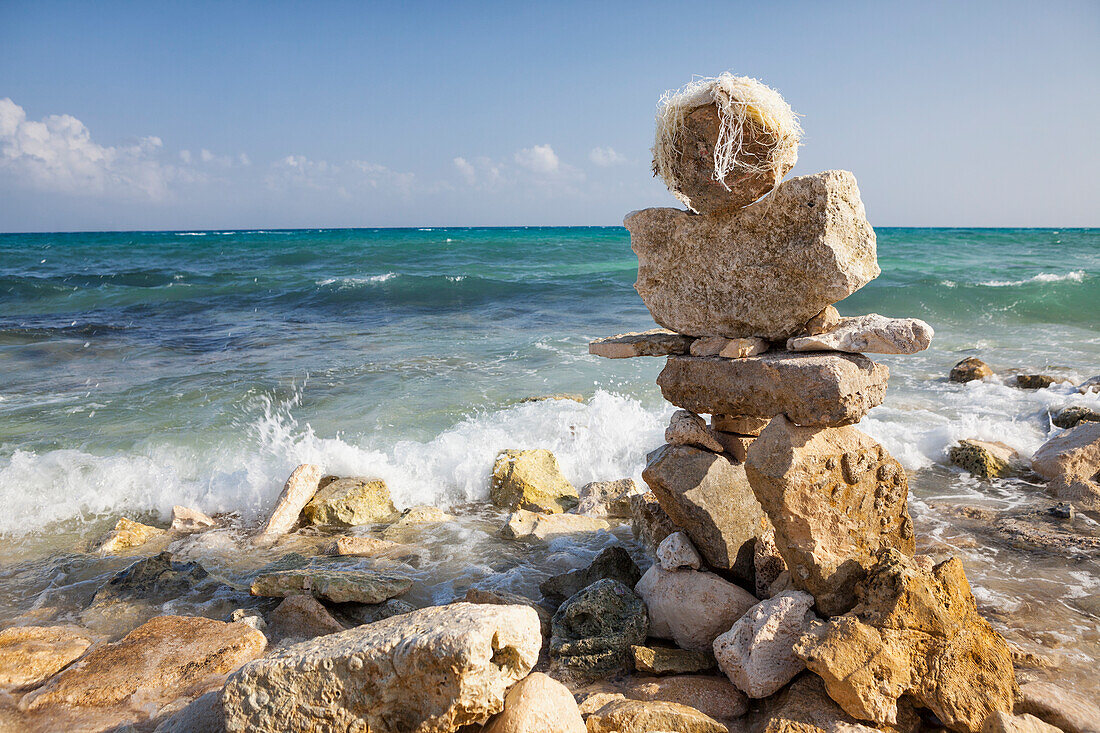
<point x="687" y="428"/>
<point x="915" y="632"/>
<point x="649" y="521"/>
<point x="412" y="522"/>
<point x="987" y="459"/>
<point x="869" y="334"/>
<point x="1035" y="381"/>
<point x="1084" y="493"/>
<point x="710" y="499"/>
<point x="655" y="342"/>
<point x="713" y="696"/>
<point x="503" y="598"/>
<point x="1068" y="417"/>
<point x="762" y="271"/>
<point x="1074" y="453"/>
<point x="363" y="546"/>
<point x="302" y="617"/>
<point x="1033" y="531"/>
<point x="592" y="632"/>
<point x="525" y="525"/>
<point x="567" y="396"/>
<point x="298" y="490"/>
<point x="676" y="551"/>
<point x="531" y="480"/>
<point x="186" y="519"/>
<point x="1070" y="711"/>
<point x="823" y="322"/>
<point x="969" y="370"/>
<point x="435" y="669"/>
<point x="348" y="502"/>
<point x="645" y="716"/>
<point x="357" y="614"/>
<point x="691" y="607"/>
<point x="614" y="562"/>
<point x="29" y="655"/>
<point x="769" y="564"/>
<point x="1002" y="722"/>
<point x="249" y="617"/>
<point x="667" y="660"/>
<point x="538" y="704"/>
<point x="728" y="348"/>
<point x="757" y="653"/>
<point x="1092" y="384"/>
<point x="804" y="707"/>
<point x="811" y="388"/>
<point x="127" y="534"/>
<point x="607" y="498"/>
<point x="738" y="424"/>
<point x="339" y="586"/>
<point x="836" y="499"/>
<point x="156" y="579"/>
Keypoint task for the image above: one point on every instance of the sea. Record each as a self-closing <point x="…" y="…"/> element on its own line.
<point x="139" y="370"/>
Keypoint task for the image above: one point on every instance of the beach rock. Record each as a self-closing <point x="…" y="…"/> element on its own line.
<point x="713" y="696"/>
<point x="837" y="499"/>
<point x="525" y="525"/>
<point x="152" y="665"/>
<point x="1035" y="381"/>
<point x="986" y="459"/>
<point x="969" y="370"/>
<point x="915" y="632"/>
<point x="363" y="546"/>
<point x="339" y="586"/>
<point x="769" y="564"/>
<point x="804" y="707"/>
<point x="826" y="320"/>
<point x="762" y="271"/>
<point x="503" y="598"/>
<point x="651" y="716"/>
<point x="531" y="480"/>
<point x="823" y="389"/>
<point x="649" y="521"/>
<point x="186" y="519"/>
<point x="1092" y="384"/>
<point x="691" y="607"/>
<point x="710" y="499"/>
<point x="357" y="614"/>
<point x="614" y="562"/>
<point x="538" y="704"/>
<point x="1038" y="531"/>
<point x="249" y="617"/>
<point x="869" y="334"/>
<point x="669" y="660"/>
<point x="757" y="653"/>
<point x="412" y="521"/>
<point x="1074" y="453"/>
<point x="655" y="342"/>
<point x="302" y="617"/>
<point x="1002" y="722"/>
<point x="565" y="396"/>
<point x="1070" y="711"/>
<point x="1084" y="493"/>
<point x="728" y="348"/>
<point x="592" y="632"/>
<point x="736" y="446"/>
<point x="29" y="655"/>
<point x="738" y="424"/>
<point x="201" y="715"/>
<point x="676" y="551"/>
<point x="157" y="579"/>
<point x="687" y="428"/>
<point x="347" y="502"/>
<point x="298" y="490"/>
<point x="126" y="534"/>
<point x="607" y="498"/>
<point x="1068" y="417"/>
<point x="434" y="670"/>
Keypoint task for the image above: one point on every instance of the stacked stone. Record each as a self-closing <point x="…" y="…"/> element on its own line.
<point x="779" y="492"/>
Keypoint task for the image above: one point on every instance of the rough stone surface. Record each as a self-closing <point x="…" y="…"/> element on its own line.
<point x="531" y="480"/>
<point x="347" y="502"/>
<point x="607" y="498"/>
<point x="538" y="704"/>
<point x="1002" y="722"/>
<point x="738" y="424"/>
<point x="1035" y="381"/>
<point x="201" y="715"/>
<point x="1084" y="493"/>
<point x="687" y="428"/>
<point x="157" y="579"/>
<point x="710" y="695"/>
<point x="1068" y="417"/>
<point x="592" y="632"/>
<point x="804" y="707"/>
<point x="614" y="562"/>
<point x="710" y="499"/>
<point x="186" y="519"/>
<point x="836" y="499"/>
<point x="651" y="716"/>
<point x="655" y="342"/>
<point x="915" y="632"/>
<point x="412" y="522"/>
<point x="735" y="445"/>
<point x="357" y="614"/>
<point x="869" y="334"/>
<point x="362" y="546"/>
<point x="691" y="607"/>
<point x="1075" y="453"/>
<point x="429" y="671"/>
<point x="1092" y="384"/>
<point x="302" y="617"/>
<point x="729" y="348"/>
<point x="525" y="525"/>
<point x="650" y="523"/>
<point x="676" y="551"/>
<point x="339" y="586"/>
<point x="29" y="655"/>
<point x="970" y="370"/>
<point x="298" y="490"/>
<point x="826" y="320"/>
<point x="824" y="389"/>
<point x="126" y="534"/>
<point x="757" y="653"/>
<point x="667" y="660"/>
<point x="986" y="459"/>
<point x="503" y="598"/>
<point x="1070" y="711"/>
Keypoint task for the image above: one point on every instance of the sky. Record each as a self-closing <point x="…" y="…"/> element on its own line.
<point x="151" y="115"/>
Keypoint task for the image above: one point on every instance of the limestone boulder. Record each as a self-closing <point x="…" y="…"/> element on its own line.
<point x="503" y="598"/>
<point x="1092" y="384"/>
<point x="987" y="459"/>
<point x="298" y="490"/>
<point x="869" y="334"/>
<point x="737" y="446"/>
<point x="649" y="522"/>
<point x="347" y="502"/>
<point x="1068" y="417"/>
<point x="771" y="568"/>
<point x="1002" y="722"/>
<point x="434" y="670"/>
<point x="614" y="562"/>
<point x="201" y="715"/>
<point x="710" y="498"/>
<point x="592" y="632"/>
<point x="655" y="342"/>
<point x="302" y="617"/>
<point x="817" y="389"/>
<point x="676" y="551"/>
<point x="804" y="707"/>
<point x="186" y="519"/>
<point x="1084" y="493"/>
<point x="710" y="695"/>
<point x="363" y="546"/>
<point x="127" y="534"/>
<point x="691" y="607"/>
<point x="729" y="348"/>
<point x="29" y="655"/>
<point x="538" y="704"/>
<point x="738" y="424"/>
<point x="1071" y="711"/>
<point x="687" y="428"/>
<point x="826" y="320"/>
<point x="607" y="498"/>
<point x="915" y="632"/>
<point x="970" y="369"/>
<point x="531" y="480"/>
<point x="661" y="660"/>
<point x="651" y="716"/>
<point x="757" y="653"/>
<point x="338" y="586"/>
<point x="762" y="271"/>
<point x="836" y="499"/>
<point x="1075" y="453"/>
<point x="535" y="526"/>
<point x="1035" y="381"/>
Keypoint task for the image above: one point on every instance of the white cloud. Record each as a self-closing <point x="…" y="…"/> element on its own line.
<point x="538" y="159"/>
<point x="605" y="157"/>
<point x="185" y="156"/>
<point x="466" y="170"/>
<point x="379" y="176"/>
<point x="244" y="159"/>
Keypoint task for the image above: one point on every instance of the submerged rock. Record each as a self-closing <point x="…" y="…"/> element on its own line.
<point x="339" y="586"/>
<point x="1074" y="453"/>
<point x="969" y="370"/>
<point x="757" y="653"/>
<point x="607" y="498"/>
<point x="1068" y="417"/>
<point x="538" y="704"/>
<point x="762" y="271"/>
<point x="644" y="716"/>
<point x="29" y="655"/>
<point x="869" y="334"/>
<point x="436" y="669"/>
<point x="357" y="614"/>
<point x="298" y="490"/>
<point x="687" y="428"/>
<point x="614" y="562"/>
<point x="669" y="660"/>
<point x="127" y="534"/>
<point x="691" y="607"/>
<point x="987" y="459"/>
<point x="655" y="342"/>
<point x="531" y="480"/>
<point x="525" y="525"/>
<point x="1035" y="381"/>
<point x="592" y="632"/>
<point x="156" y="579"/>
<point x="1092" y="384"/>
<point x="347" y="502"/>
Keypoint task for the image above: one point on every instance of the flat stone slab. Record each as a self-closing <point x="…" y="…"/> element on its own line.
<point x="812" y="389"/>
<point x="869" y="334"/>
<point x="339" y="586"/>
<point x="654" y="342"/>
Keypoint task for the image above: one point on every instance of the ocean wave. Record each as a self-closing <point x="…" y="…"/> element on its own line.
<point x="191" y="234"/>
<point x="1043" y="277"/>
<point x="353" y="281"/>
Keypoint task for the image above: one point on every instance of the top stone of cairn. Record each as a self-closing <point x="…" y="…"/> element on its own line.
<point x="724" y="142"/>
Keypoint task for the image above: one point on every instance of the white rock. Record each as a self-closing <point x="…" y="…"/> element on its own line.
<point x="687" y="428"/>
<point x="676" y="551"/>
<point x="299" y="489"/>
<point x="691" y="607"/>
<point x="526" y="525"/>
<point x="186" y="519"/>
<point x="538" y="704"/>
<point x="757" y="653"/>
<point x="869" y="334"/>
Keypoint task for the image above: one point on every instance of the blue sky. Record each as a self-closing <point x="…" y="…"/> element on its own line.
<point x="268" y="114"/>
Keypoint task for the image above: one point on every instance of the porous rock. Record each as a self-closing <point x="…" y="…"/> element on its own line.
<point x="538" y="704"/>
<point x="1002" y="722"/>
<point x="1068" y="417"/>
<point x="970" y="369"/>
<point x="1070" y="711"/>
<point x="607" y="498"/>
<point x="29" y="655"/>
<point x="655" y="342"/>
<point x="362" y="546"/>
<point x="769" y="564"/>
<point x="649" y="522"/>
<point x="1084" y="493"/>
<point x="592" y="632"/>
<point x="298" y="490"/>
<point x="347" y="502"/>
<point x="736" y="446"/>
<point x="691" y="607"/>
<point x="676" y="551"/>
<point x="687" y="428"/>
<point x="986" y="459"/>
<point x="503" y="598"/>
<point x="738" y="424"/>
<point x="1035" y="381"/>
<point x="869" y="334"/>
<point x="126" y="534"/>
<point x="669" y="660"/>
<point x="710" y="695"/>
<point x="1075" y="453"/>
<point x="804" y="707"/>
<point x="614" y="562"/>
<point x="649" y="716"/>
<point x="531" y="480"/>
<point x="757" y="653"/>
<point x="530" y="526"/>
<point x="339" y="586"/>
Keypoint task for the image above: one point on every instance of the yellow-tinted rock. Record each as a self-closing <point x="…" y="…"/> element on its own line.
<point x="644" y="716"/>
<point x="532" y="480"/>
<point x="29" y="655"/>
<point x="348" y="502"/>
<point x="969" y="370"/>
<point x="126" y="534"/>
<point x="986" y="459"/>
<point x="538" y="704"/>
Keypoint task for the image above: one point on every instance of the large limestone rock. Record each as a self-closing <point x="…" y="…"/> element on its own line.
<point x="1073" y="712"/>
<point x="649" y="522"/>
<point x="347" y="502"/>
<point x="836" y="499"/>
<point x="593" y="631"/>
<point x="125" y="535"/>
<point x="804" y="707"/>
<point x="186" y="519"/>
<point x="869" y="334"/>
<point x="504" y="598"/>
<point x="302" y="617"/>
<point x="687" y="428"/>
<point x="532" y="526"/>
<point x="757" y="653"/>
<point x="655" y="342"/>
<point x="1076" y="453"/>
<point x="669" y="660"/>
<point x="29" y="655"/>
<point x="1002" y="722"/>
<point x="339" y="586"/>
<point x="762" y="271"/>
<point x="915" y="632"/>
<point x="986" y="459"/>
<point x="429" y="671"/>
<point x="710" y="695"/>
<point x="607" y="498"/>
<point x="651" y="716"/>
<point x="824" y="389"/>
<point x="298" y="490"/>
<point x="691" y="607"/>
<point x="614" y="562"/>
<point x="531" y="480"/>
<point x="538" y="704"/>
<point x="709" y="497"/>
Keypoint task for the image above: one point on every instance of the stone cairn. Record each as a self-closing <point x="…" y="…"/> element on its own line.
<point x="780" y="493"/>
